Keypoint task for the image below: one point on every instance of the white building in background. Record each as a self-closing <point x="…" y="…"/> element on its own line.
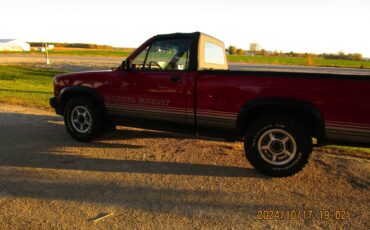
<point x="14" y="45"/>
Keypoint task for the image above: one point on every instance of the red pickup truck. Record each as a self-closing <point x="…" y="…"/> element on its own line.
<point x="183" y="79"/>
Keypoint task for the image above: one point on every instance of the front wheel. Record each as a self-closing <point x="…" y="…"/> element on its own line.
<point x="278" y="145"/>
<point x="82" y="119"/>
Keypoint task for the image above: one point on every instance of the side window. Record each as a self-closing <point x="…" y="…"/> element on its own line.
<point x="168" y="54"/>
<point x="213" y="54"/>
<point x="138" y="62"/>
<point x="183" y="62"/>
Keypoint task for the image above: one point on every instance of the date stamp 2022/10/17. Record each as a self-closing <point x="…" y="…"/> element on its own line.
<point x="302" y="214"/>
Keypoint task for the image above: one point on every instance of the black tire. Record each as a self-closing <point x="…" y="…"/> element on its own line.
<point x="278" y="145"/>
<point x="108" y="126"/>
<point x="78" y="129"/>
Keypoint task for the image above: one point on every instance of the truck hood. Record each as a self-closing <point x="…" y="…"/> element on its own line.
<point x="92" y="79"/>
<point x="82" y="74"/>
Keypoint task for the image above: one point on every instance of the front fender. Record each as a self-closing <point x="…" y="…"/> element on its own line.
<point x="72" y="91"/>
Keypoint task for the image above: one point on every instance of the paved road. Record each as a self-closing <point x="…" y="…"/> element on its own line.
<point x="147" y="179"/>
<point x="90" y="62"/>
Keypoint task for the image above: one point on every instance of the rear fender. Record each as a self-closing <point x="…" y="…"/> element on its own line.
<point x="301" y="110"/>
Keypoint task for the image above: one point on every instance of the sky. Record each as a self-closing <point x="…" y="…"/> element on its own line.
<point x="314" y="26"/>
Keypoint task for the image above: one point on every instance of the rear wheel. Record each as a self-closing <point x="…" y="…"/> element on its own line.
<point x="82" y="119"/>
<point x="278" y="145"/>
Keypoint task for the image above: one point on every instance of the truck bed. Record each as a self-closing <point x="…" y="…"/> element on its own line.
<point x="298" y="69"/>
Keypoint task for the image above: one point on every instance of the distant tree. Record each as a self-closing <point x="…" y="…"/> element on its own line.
<point x="240" y="51"/>
<point x="232" y="49"/>
<point x="341" y="55"/>
<point x="254" y="47"/>
<point x="276" y="53"/>
<point x="357" y="56"/>
<point x="263" y="52"/>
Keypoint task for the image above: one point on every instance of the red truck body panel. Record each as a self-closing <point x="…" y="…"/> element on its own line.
<point x="343" y="103"/>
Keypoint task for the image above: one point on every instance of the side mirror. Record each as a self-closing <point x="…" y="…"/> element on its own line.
<point x="126" y="65"/>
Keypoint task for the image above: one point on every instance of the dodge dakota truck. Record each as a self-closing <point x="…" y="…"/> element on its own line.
<point x="183" y="79"/>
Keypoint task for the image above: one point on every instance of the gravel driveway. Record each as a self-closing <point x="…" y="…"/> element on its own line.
<point x="136" y="178"/>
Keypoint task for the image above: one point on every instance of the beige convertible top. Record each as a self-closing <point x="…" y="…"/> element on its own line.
<point x="211" y="53"/>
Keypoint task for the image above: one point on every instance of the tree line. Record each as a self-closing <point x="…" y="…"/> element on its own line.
<point x="256" y="49"/>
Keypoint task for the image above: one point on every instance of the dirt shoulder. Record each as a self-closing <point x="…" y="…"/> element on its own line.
<point x="137" y="178"/>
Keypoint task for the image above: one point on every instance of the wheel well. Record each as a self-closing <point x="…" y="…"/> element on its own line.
<point x="312" y="121"/>
<point x="69" y="95"/>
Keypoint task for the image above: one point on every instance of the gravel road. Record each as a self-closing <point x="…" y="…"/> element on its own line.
<point x="61" y="62"/>
<point x="137" y="178"/>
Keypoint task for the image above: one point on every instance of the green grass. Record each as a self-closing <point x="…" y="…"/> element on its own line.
<point x="298" y="61"/>
<point x="26" y="86"/>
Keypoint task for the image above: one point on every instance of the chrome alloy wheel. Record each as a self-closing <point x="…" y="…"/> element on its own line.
<point x="277" y="146"/>
<point x="81" y="119"/>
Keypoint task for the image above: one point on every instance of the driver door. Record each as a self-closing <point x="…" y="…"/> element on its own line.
<point x="155" y="87"/>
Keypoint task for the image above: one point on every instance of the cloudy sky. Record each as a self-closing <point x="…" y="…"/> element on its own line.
<point x="289" y="25"/>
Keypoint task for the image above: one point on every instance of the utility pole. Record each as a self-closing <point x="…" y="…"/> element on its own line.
<point x="47" y="54"/>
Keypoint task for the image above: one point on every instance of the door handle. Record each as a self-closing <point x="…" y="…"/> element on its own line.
<point x="176" y="79"/>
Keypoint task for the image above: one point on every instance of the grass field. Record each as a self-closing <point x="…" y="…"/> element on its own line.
<point x="298" y="61"/>
<point x="26" y="86"/>
<point x="230" y="58"/>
